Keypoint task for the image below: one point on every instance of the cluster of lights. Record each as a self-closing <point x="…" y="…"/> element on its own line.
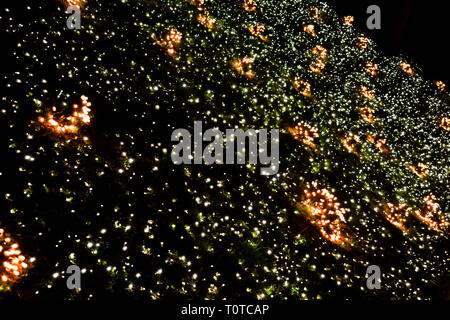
<point x="367" y="114"/>
<point x="257" y="31"/>
<point x="324" y="211"/>
<point x="63" y="125"/>
<point x="302" y="86"/>
<point x="440" y="85"/>
<point x="310" y="29"/>
<point x="206" y="21"/>
<point x="369" y="94"/>
<point x="305" y="133"/>
<point x="321" y="52"/>
<point x="406" y="67"/>
<point x="421" y="170"/>
<point x="371" y="68"/>
<point x="243" y="66"/>
<point x="445" y="123"/>
<point x="348" y="20"/>
<point x="350" y="142"/>
<point x="397" y="215"/>
<point x="432" y="216"/>
<point x="249" y="5"/>
<point x="12" y="261"/>
<point x="379" y="143"/>
<point x="363" y="42"/>
<point x="171" y="41"/>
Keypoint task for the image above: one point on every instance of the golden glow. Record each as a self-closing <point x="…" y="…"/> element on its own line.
<point x="367" y="114"/>
<point x="369" y="94"/>
<point x="13" y="263"/>
<point x="206" y="21"/>
<point x="407" y="68"/>
<point x="445" y="123"/>
<point x="243" y="64"/>
<point x="432" y="216"/>
<point x="363" y="42"/>
<point x="305" y="133"/>
<point x="350" y="143"/>
<point x="71" y="124"/>
<point x="257" y="31"/>
<point x="371" y="68"/>
<point x="249" y="5"/>
<point x="421" y="170"/>
<point x="324" y="211"/>
<point x="314" y="12"/>
<point x="310" y="29"/>
<point x="441" y="85"/>
<point x="380" y="144"/>
<point x="302" y="86"/>
<point x="397" y="215"/>
<point x="321" y="52"/>
<point x="171" y="41"/>
<point x="348" y="20"/>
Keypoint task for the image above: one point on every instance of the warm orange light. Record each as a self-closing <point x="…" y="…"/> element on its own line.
<point x="249" y="5"/>
<point x="321" y="52"/>
<point x="310" y="29"/>
<point x="350" y="143"/>
<point x="379" y="143"/>
<point x="243" y="66"/>
<point x="421" y="170"/>
<point x="314" y="12"/>
<point x="363" y="42"/>
<point x="348" y="20"/>
<point x="305" y="133"/>
<point x="302" y="86"/>
<point x="371" y="68"/>
<point x="445" y="123"/>
<point x="13" y="263"/>
<point x="171" y="41"/>
<point x="367" y="114"/>
<point x="206" y="21"/>
<point x="323" y="210"/>
<point x="369" y="94"/>
<point x="432" y="216"/>
<point x="257" y="31"/>
<point x="441" y="85"/>
<point x="397" y="215"/>
<point x="406" y="67"/>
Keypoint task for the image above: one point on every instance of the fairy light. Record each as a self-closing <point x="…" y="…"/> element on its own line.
<point x="324" y="211"/>
<point x="397" y="215"/>
<point x="206" y="21"/>
<point x="243" y="64"/>
<point x="310" y="29"/>
<point x="257" y="31"/>
<point x="321" y="52"/>
<point x="314" y="12"/>
<point x="171" y="41"/>
<point x="406" y="67"/>
<point x="367" y="114"/>
<point x="348" y="20"/>
<point x="440" y="85"/>
<point x="350" y="143"/>
<point x="305" y="133"/>
<point x="249" y="5"/>
<point x="432" y="216"/>
<point x="379" y="143"/>
<point x="445" y="123"/>
<point x="369" y="94"/>
<point x="67" y="125"/>
<point x="13" y="262"/>
<point x="371" y="68"/>
<point x="302" y="86"/>
<point x="421" y="170"/>
<point x="363" y="42"/>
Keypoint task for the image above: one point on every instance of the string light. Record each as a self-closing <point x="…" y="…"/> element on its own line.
<point x="363" y="42"/>
<point x="379" y="143"/>
<point x="440" y="85"/>
<point x="13" y="263"/>
<point x="310" y="29"/>
<point x="71" y="124"/>
<point x="348" y="20"/>
<point x="302" y="86"/>
<point x="421" y="170"/>
<point x="324" y="211"/>
<point x="249" y="5"/>
<point x="206" y="21"/>
<point x="257" y="31"/>
<point x="406" y="67"/>
<point x="397" y="215"/>
<point x="305" y="133"/>
<point x="367" y="114"/>
<point x="242" y="64"/>
<point x="445" y="123"/>
<point x="432" y="215"/>
<point x="369" y="94"/>
<point x="371" y="68"/>
<point x="350" y="142"/>
<point x="171" y="41"/>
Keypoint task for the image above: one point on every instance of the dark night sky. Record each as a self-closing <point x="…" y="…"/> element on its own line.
<point x="415" y="28"/>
